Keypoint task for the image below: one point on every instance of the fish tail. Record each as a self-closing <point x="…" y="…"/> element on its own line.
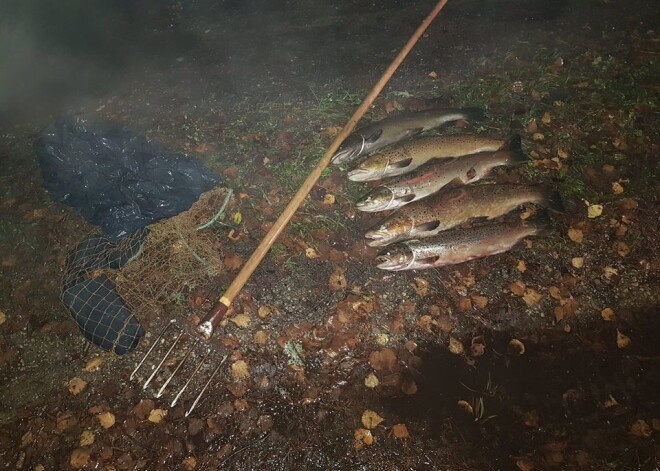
<point x="474" y="114"/>
<point x="542" y="223"/>
<point x="513" y="146"/>
<point x="553" y="200"/>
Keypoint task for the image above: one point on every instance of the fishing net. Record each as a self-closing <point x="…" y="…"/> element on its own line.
<point x="108" y="286"/>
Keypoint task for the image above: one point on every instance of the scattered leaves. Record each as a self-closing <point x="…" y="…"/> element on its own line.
<point x="622" y="341"/>
<point x="622" y="249"/>
<point x="329" y="199"/>
<point x="607" y="314"/>
<point x="421" y="287"/>
<point x="480" y="301"/>
<point x="189" y="463"/>
<point x="617" y="189"/>
<point x="640" y="429"/>
<point x="466" y="406"/>
<point x="371" y="381"/>
<point x="87" y="438"/>
<point x="517" y="288"/>
<point x="464" y="304"/>
<point x="337" y="279"/>
<point x="156" y="416"/>
<point x="516" y="347"/>
<point x="521" y="266"/>
<point x="575" y="235"/>
<point x="400" y="431"/>
<point x="106" y="419"/>
<point x="239" y="370"/>
<point x="594" y="210"/>
<point x="3" y="317"/>
<point x="310" y="252"/>
<point x="371" y="419"/>
<point x="547" y="118"/>
<point x="532" y="297"/>
<point x="383" y="360"/>
<point x="79" y="458"/>
<point x="77" y="385"/>
<point x="577" y="262"/>
<point x="241" y="320"/>
<point x="93" y="364"/>
<point x="525" y="464"/>
<point x="455" y="346"/>
<point x="143" y="408"/>
<point x="363" y="437"/>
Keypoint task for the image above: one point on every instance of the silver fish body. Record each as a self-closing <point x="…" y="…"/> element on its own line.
<point x="457" y="246"/>
<point x="408" y="156"/>
<point x="452" y="207"/>
<point x="431" y="178"/>
<point x="391" y="130"/>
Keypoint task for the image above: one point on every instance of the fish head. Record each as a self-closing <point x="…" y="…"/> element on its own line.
<point x="390" y="231"/>
<point x="349" y="150"/>
<point x="396" y="258"/>
<point x="372" y="168"/>
<point x="379" y="199"/>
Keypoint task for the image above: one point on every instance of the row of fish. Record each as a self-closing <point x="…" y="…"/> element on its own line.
<point x="421" y="168"/>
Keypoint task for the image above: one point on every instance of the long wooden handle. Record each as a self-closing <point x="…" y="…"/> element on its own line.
<point x="217" y="313"/>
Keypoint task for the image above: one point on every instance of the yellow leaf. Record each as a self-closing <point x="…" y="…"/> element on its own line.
<point x="400" y="431"/>
<point x="547" y="118"/>
<point x="516" y="346"/>
<point x="329" y="199"/>
<point x="594" y="210"/>
<point x="79" y="458"/>
<point x="532" y="297"/>
<point x="156" y="416"/>
<point x="238" y="217"/>
<point x="617" y="188"/>
<point x="311" y="253"/>
<point x="241" y="320"/>
<point x="107" y="419"/>
<point x="466" y="406"/>
<point x="77" y="385"/>
<point x="371" y="419"/>
<point x="93" y="364"/>
<point x="433" y="74"/>
<point x="622" y="341"/>
<point x="3" y="317"/>
<point x="86" y="438"/>
<point x="371" y="381"/>
<point x="455" y="346"/>
<point x="240" y="370"/>
<point x="607" y="314"/>
<point x="577" y="262"/>
<point x="521" y="266"/>
<point x="575" y="235"/>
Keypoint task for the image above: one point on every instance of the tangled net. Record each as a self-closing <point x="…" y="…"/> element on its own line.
<point x="108" y="286"/>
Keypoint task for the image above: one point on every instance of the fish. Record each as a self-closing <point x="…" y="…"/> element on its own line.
<point x="458" y="245"/>
<point x="391" y="130"/>
<point x="455" y="206"/>
<point x="406" y="157"/>
<point x="432" y="177"/>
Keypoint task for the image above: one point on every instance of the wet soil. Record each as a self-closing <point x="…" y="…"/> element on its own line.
<point x="546" y="357"/>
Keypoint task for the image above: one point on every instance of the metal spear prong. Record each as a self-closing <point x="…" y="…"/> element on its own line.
<point x="178" y="367"/>
<point x="201" y="393"/>
<point x="153" y="345"/>
<point x="185" y="386"/>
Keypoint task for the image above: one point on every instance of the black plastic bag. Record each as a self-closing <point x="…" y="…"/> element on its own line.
<point x="116" y="179"/>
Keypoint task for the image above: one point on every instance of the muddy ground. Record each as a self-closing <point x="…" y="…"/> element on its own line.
<point x="546" y="357"/>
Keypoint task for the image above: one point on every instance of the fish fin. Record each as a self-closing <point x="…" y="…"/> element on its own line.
<point x="554" y="202"/>
<point x="474" y="114"/>
<point x="428" y="226"/>
<point x="481" y="219"/>
<point x="428" y="260"/>
<point x="402" y="163"/>
<point x="414" y="132"/>
<point x="374" y="136"/>
<point x="456" y="182"/>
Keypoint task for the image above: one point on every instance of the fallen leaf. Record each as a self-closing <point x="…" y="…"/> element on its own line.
<point x="143" y="408"/>
<point x="87" y="438"/>
<point x="261" y="337"/>
<point x="562" y="154"/>
<point x="337" y="279"/>
<point x="480" y="301"/>
<point x="622" y="341"/>
<point x="617" y="188"/>
<point x="421" y="287"/>
<point x="555" y="292"/>
<point x="577" y="262"/>
<point x="241" y="320"/>
<point x="331" y="131"/>
<point x="594" y="210"/>
<point x="466" y="406"/>
<point x="610" y="402"/>
<point x="329" y="199"/>
<point x="233" y="262"/>
<point x="464" y="305"/>
<point x="64" y="421"/>
<point x="383" y="360"/>
<point x="609" y="272"/>
<point x="516" y="347"/>
<point x="3" y="317"/>
<point x="190" y="462"/>
<point x="400" y="431"/>
<point x="607" y="314"/>
<point x="525" y="464"/>
<point x="26" y="439"/>
<point x="622" y="249"/>
<point x="547" y="118"/>
<point x="106" y="419"/>
<point x="311" y="253"/>
<point x="517" y="288"/>
<point x="266" y="310"/>
<point x="640" y="429"/>
<point x="575" y="235"/>
<point x="538" y="136"/>
<point x="532" y="297"/>
<point x="79" y="458"/>
<point x="371" y="381"/>
<point x="455" y="346"/>
<point x="433" y="74"/>
<point x="77" y="385"/>
<point x="364" y="437"/>
<point x="240" y="370"/>
<point x="93" y="364"/>
<point x="521" y="266"/>
<point x="156" y="416"/>
<point x="371" y="419"/>
<point x="532" y="127"/>
<point x="409" y="387"/>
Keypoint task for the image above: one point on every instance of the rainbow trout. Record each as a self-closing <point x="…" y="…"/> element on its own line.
<point x="406" y="157"/>
<point x="432" y="177"/>
<point x="457" y="246"/>
<point x="391" y="130"/>
<point x="455" y="206"/>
